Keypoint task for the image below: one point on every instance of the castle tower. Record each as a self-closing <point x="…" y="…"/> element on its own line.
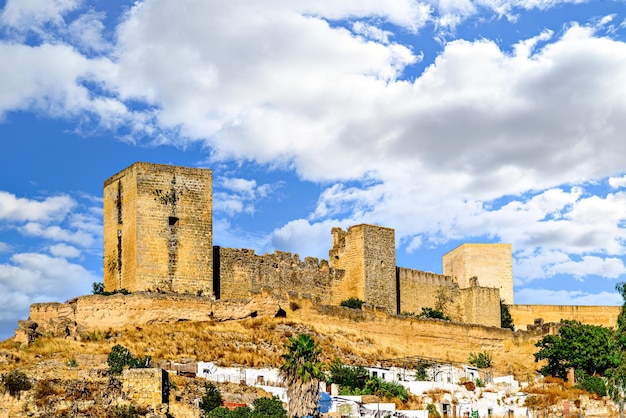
<point x="158" y="229"/>
<point x="484" y="265"/>
<point x="367" y="254"/>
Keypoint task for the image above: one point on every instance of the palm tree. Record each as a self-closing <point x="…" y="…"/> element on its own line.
<point x="302" y="372"/>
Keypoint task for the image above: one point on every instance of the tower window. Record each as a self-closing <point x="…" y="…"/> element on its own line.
<point x="173" y="221"/>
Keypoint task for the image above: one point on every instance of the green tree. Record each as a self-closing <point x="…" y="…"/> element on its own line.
<point x="433" y="314"/>
<point x="120" y="357"/>
<point x="97" y="288"/>
<point x="268" y="408"/>
<point x="219" y="412"/>
<point x="16" y="382"/>
<point x="587" y="348"/>
<point x="354" y="303"/>
<point x="211" y="399"/>
<point x="506" y="320"/>
<point x="348" y="376"/>
<point x="616" y="382"/>
<point x="302" y="372"/>
<point x="482" y="360"/>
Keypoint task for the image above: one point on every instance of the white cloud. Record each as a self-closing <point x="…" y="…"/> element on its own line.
<point x="29" y="14"/>
<point x="238" y="195"/>
<point x="617" y="182"/>
<point x="32" y="277"/>
<point x="304" y="238"/>
<point x="57" y="233"/>
<point x="563" y="297"/>
<point x="64" y="251"/>
<point x="86" y="32"/>
<point x="4" y="247"/>
<point x="13" y="208"/>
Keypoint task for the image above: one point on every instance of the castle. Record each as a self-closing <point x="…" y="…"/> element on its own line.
<point x="158" y="236"/>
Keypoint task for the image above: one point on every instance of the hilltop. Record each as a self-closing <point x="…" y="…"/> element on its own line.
<point x="255" y="338"/>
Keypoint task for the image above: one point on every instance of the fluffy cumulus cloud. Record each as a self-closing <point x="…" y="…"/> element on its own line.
<point x="31" y="277"/>
<point x="236" y="195"/>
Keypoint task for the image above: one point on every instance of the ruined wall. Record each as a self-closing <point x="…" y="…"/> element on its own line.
<point x="146" y="387"/>
<point x="243" y="273"/>
<point x="158" y="229"/>
<point x="93" y="312"/>
<point x="481" y="305"/>
<point x="347" y="254"/>
<point x="592" y="315"/>
<point x="490" y="263"/>
<point x="367" y="254"/>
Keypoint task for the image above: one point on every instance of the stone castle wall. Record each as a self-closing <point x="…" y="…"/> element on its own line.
<point x="347" y="254"/>
<point x="243" y="273"/>
<point x="474" y="305"/>
<point x="146" y="387"/>
<point x="594" y="315"/>
<point x="490" y="264"/>
<point x="158" y="229"/>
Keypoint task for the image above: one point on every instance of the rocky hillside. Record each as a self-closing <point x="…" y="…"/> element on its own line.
<point x="69" y="375"/>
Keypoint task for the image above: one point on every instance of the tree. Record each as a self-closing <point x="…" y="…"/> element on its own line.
<point x="268" y="408"/>
<point x="120" y="357"/>
<point x="348" y="376"/>
<point x="506" y="320"/>
<point x="211" y="399"/>
<point x="302" y="372"/>
<point x="587" y="348"/>
<point x="616" y="383"/>
<point x="97" y="288"/>
<point x="15" y="382"/>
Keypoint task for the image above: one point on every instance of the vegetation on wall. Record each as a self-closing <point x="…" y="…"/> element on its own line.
<point x="357" y="381"/>
<point x="433" y="314"/>
<point x="506" y="320"/>
<point x="482" y="360"/>
<point x="98" y="289"/>
<point x="353" y="302"/>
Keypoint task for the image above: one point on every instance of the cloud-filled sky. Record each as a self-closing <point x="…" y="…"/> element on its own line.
<point x="450" y="121"/>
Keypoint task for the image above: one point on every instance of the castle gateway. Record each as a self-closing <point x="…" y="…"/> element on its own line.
<point x="158" y="236"/>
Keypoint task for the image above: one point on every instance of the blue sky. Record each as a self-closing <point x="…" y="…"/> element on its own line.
<point x="449" y="121"/>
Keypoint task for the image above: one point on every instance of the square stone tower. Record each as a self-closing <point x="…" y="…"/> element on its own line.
<point x="490" y="264"/>
<point x="158" y="229"/>
<point x="367" y="254"/>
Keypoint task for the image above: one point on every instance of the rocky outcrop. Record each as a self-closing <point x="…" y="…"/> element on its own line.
<point x="97" y="312"/>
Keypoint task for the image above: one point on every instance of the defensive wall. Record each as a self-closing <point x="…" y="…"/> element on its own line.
<point x="594" y="315"/>
<point x="158" y="237"/>
<point x="242" y="273"/>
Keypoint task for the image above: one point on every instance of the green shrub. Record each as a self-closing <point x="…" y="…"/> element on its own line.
<point x="211" y="399"/>
<point x="354" y="303"/>
<point x="120" y="357"/>
<point x="128" y="411"/>
<point x="432" y="411"/>
<point x="433" y="314"/>
<point x="480" y="383"/>
<point x="16" y="382"/>
<point x="98" y="289"/>
<point x="268" y="408"/>
<point x="482" y="360"/>
<point x="219" y="412"/>
<point x="592" y="384"/>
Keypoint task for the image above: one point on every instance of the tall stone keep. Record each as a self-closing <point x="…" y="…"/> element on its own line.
<point x="484" y="265"/>
<point x="158" y="229"/>
<point x="367" y="254"/>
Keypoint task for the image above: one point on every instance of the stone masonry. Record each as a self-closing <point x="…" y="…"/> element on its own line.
<point x="158" y="237"/>
<point x="158" y="229"/>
